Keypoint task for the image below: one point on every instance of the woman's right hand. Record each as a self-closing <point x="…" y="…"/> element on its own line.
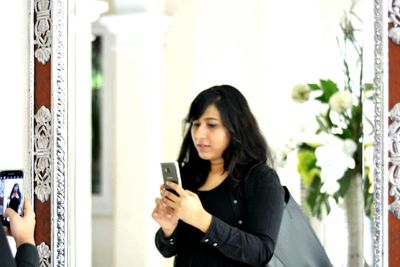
<point x="164" y="215"/>
<point x="22" y="228"/>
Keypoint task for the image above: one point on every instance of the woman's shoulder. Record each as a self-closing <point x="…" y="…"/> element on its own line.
<point x="261" y="169"/>
<point x="262" y="174"/>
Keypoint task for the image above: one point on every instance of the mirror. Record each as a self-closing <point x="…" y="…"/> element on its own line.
<point x="15" y="97"/>
<point x="145" y="82"/>
<point x="199" y="44"/>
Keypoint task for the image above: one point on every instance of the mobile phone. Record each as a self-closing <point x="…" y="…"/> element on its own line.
<point x="11" y="192"/>
<point x="170" y="172"/>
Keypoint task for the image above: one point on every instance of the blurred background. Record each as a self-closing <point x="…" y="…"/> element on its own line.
<point x="150" y="58"/>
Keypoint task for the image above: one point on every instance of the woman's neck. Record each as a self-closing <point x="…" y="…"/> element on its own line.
<point x="215" y="177"/>
<point x="217" y="167"/>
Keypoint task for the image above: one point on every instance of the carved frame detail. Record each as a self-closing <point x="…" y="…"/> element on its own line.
<point x="394" y="159"/>
<point x="380" y="122"/>
<point x="43" y="30"/>
<point x="44" y="255"/>
<point x="60" y="141"/>
<point x="42" y="154"/>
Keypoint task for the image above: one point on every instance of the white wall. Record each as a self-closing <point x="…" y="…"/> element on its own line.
<point x="14" y="91"/>
<point x="79" y="133"/>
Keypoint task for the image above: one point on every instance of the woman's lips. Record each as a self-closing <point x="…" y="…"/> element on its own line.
<point x="202" y="147"/>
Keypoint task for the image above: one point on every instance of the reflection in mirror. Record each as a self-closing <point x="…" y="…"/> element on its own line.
<point x="15" y="91"/>
<point x="15" y="88"/>
<point x="16" y="98"/>
<point x="158" y="56"/>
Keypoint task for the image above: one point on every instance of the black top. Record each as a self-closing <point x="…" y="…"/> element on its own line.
<point x="26" y="256"/>
<point x="244" y="227"/>
<point x="14" y="203"/>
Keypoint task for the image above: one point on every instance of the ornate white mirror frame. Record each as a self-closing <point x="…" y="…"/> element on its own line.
<point x="60" y="154"/>
<point x="49" y="130"/>
<point x="394" y="127"/>
<point x="380" y="246"/>
<point x="56" y="45"/>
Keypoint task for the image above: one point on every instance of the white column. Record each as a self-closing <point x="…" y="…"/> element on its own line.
<point x="138" y="88"/>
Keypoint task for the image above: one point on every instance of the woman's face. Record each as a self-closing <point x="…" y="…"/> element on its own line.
<point x="209" y="135"/>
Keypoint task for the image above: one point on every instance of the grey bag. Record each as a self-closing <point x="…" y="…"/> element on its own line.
<point x="297" y="245"/>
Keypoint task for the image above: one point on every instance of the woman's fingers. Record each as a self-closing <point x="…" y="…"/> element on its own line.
<point x="28" y="209"/>
<point x="178" y="189"/>
<point x="162" y="208"/>
<point x="190" y="193"/>
<point x="171" y="196"/>
<point x="169" y="203"/>
<point x="9" y="212"/>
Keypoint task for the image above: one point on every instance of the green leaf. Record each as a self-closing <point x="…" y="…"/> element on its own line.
<point x="307" y="146"/>
<point x="368" y="86"/>
<point x="322" y="123"/>
<point x="368" y="198"/>
<point x="329" y="120"/>
<point x="307" y="166"/>
<point x="327" y="204"/>
<point x="344" y="184"/>
<point x="317" y="203"/>
<point x="328" y="89"/>
<point x="314" y="86"/>
<point x="311" y="198"/>
<point x="346" y="133"/>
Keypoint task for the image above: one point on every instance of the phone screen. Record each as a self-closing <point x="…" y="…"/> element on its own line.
<point x="11" y="192"/>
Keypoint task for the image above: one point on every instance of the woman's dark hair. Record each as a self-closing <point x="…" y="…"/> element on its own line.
<point x="247" y="145"/>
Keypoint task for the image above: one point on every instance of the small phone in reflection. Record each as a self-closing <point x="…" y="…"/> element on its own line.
<point x="170" y="172"/>
<point x="11" y="193"/>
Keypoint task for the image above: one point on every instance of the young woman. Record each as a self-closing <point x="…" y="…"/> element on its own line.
<point x="229" y="208"/>
<point x="15" y="197"/>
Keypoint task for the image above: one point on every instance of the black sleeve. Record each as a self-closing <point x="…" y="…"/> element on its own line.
<point x="264" y="204"/>
<point x="6" y="257"/>
<point x="166" y="246"/>
<point x="27" y="256"/>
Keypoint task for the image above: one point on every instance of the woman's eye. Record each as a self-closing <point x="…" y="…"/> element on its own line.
<point x="195" y="124"/>
<point x="212" y="125"/>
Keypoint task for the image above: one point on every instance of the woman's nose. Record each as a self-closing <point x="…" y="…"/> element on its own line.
<point x="201" y="132"/>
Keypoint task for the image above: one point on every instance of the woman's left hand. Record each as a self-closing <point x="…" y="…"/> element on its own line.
<point x="187" y="207"/>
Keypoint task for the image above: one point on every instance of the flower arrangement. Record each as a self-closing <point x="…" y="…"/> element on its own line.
<point x="331" y="162"/>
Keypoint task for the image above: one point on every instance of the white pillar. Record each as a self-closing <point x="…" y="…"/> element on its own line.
<point x="137" y="87"/>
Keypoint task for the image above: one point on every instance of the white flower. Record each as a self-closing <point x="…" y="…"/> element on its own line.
<point x="334" y="157"/>
<point x="349" y="147"/>
<point x="341" y="101"/>
<point x="300" y="93"/>
<point x="330" y="186"/>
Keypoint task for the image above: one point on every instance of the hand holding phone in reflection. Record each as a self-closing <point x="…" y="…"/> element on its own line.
<point x="12" y="196"/>
<point x="21" y="227"/>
